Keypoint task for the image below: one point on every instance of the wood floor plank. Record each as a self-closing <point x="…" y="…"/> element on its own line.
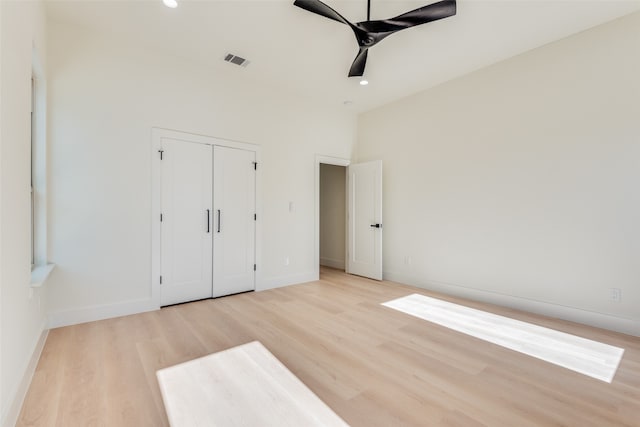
<point x="372" y="365"/>
<point x="43" y="399"/>
<point x="82" y="398"/>
<point x="125" y="385"/>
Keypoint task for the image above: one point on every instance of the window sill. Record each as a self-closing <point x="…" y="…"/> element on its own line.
<point x="40" y="274"/>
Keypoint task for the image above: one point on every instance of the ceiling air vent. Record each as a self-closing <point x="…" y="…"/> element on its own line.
<point x="234" y="59"/>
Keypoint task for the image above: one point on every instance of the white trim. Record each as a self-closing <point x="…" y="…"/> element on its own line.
<point x="157" y="134"/>
<point x="327" y="160"/>
<point x="16" y="406"/>
<point x="202" y="139"/>
<point x="40" y="274"/>
<point x="100" y="312"/>
<point x="279" y="282"/>
<point x="333" y="263"/>
<point x="599" y="320"/>
<point x="2" y="408"/>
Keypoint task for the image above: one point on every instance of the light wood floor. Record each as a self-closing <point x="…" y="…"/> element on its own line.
<point x="372" y="365"/>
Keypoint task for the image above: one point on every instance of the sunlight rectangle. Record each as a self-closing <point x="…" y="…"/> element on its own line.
<point x="582" y="355"/>
<point x="241" y="386"/>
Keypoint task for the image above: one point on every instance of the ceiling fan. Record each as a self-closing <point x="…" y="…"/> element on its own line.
<point x="368" y="32"/>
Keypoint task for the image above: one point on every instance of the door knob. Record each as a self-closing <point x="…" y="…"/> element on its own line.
<point x="376" y="225"/>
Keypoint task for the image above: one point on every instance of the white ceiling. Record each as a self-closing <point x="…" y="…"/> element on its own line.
<point x="292" y="49"/>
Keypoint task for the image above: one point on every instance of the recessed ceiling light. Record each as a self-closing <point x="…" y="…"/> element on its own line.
<point x="364" y="82"/>
<point x="170" y="3"/>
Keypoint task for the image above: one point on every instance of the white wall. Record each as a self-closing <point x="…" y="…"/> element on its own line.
<point x="519" y="183"/>
<point x="105" y="96"/>
<point x="332" y="215"/>
<point x="22" y="29"/>
<point x="2" y="404"/>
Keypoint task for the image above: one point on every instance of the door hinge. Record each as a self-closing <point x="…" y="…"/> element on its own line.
<point x="254" y="267"/>
<point x="255" y="166"/>
<point x="255" y="217"/>
<point x="160" y="151"/>
<point x="160" y="217"/>
<point x="161" y="280"/>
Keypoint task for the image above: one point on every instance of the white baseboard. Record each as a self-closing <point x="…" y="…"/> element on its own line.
<point x="21" y="392"/>
<point x="108" y="311"/>
<point x="278" y="282"/>
<point x="333" y="263"/>
<point x="100" y="312"/>
<point x="599" y="320"/>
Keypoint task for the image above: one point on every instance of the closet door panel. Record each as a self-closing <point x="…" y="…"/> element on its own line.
<point x="186" y="235"/>
<point x="234" y="221"/>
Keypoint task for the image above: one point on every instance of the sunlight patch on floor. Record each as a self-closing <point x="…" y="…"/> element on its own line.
<point x="582" y="355"/>
<point x="241" y="386"/>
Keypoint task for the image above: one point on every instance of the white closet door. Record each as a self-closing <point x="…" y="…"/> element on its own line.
<point x="187" y="216"/>
<point x="234" y="204"/>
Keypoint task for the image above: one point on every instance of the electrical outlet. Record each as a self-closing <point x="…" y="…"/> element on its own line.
<point x="615" y="294"/>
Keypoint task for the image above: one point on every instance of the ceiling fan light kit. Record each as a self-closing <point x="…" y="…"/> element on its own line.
<point x="368" y="33"/>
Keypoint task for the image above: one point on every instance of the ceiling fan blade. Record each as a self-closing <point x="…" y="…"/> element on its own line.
<point x="357" y="68"/>
<point x="316" y="6"/>
<point x="429" y="13"/>
<point x="422" y="15"/>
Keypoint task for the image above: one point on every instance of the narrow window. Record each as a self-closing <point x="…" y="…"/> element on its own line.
<point x="40" y="268"/>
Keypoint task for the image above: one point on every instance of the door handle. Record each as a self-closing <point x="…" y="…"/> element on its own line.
<point x="376" y="225"/>
<point x="208" y="221"/>
<point x="218" y="220"/>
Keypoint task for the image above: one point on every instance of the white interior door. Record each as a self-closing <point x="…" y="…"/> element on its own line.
<point x="365" y="220"/>
<point x="234" y="206"/>
<point x="186" y="234"/>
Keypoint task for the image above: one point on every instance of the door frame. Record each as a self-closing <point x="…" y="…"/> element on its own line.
<point x="335" y="161"/>
<point x="157" y="134"/>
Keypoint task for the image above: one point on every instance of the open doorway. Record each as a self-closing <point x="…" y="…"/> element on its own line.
<point x="362" y="230"/>
<point x="322" y="161"/>
<point x="333" y="217"/>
